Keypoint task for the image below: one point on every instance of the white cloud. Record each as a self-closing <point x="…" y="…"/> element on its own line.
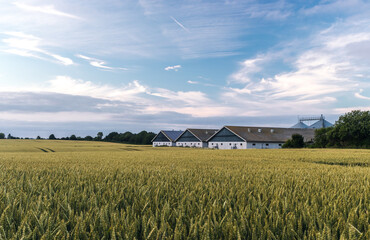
<point x="98" y="63"/>
<point x="67" y="85"/>
<point x="326" y="67"/>
<point x="349" y="109"/>
<point x="176" y="68"/>
<point x="248" y="67"/>
<point x="190" y="98"/>
<point x="63" y="60"/>
<point x="26" y="45"/>
<point x="193" y="82"/>
<point x="151" y="101"/>
<point x="49" y="9"/>
<point x="360" y="96"/>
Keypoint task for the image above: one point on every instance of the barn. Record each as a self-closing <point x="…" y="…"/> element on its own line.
<point x="192" y="137"/>
<point x="166" y="138"/>
<point x="236" y="137"/>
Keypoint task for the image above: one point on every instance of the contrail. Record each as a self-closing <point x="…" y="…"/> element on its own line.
<point x="178" y="23"/>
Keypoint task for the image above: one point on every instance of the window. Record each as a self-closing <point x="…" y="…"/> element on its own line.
<point x="230" y="144"/>
<point x="253" y="144"/>
<point x="267" y="144"/>
<point x="241" y="144"/>
<point x="221" y="144"/>
<point x="280" y="144"/>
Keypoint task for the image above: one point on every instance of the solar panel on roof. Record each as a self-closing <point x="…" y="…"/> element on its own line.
<point x="173" y="134"/>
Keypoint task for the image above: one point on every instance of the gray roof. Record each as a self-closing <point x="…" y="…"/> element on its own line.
<point x="202" y="134"/>
<point x="300" y="125"/>
<point x="270" y="134"/>
<point x="322" y="123"/>
<point x="172" y="135"/>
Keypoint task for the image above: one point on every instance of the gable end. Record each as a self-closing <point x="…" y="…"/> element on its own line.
<point x="225" y="135"/>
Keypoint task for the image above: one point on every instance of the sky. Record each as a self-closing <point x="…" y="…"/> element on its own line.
<point x="80" y="67"/>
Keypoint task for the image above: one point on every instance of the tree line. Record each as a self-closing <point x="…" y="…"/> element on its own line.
<point x="142" y="137"/>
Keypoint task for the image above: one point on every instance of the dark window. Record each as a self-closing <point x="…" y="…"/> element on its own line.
<point x="267" y="144"/>
<point x="241" y="144"/>
<point x="221" y="143"/>
<point x="253" y="144"/>
<point x="230" y="144"/>
<point x="279" y="144"/>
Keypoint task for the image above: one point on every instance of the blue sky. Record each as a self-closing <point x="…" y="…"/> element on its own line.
<point x="86" y="66"/>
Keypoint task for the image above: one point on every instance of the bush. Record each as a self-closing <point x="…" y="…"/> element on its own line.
<point x="296" y="141"/>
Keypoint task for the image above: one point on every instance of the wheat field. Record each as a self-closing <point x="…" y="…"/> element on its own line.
<point x="97" y="190"/>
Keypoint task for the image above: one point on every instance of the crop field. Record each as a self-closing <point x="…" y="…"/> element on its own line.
<point x="96" y="190"/>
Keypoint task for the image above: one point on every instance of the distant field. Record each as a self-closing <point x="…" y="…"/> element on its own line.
<point x="95" y="190"/>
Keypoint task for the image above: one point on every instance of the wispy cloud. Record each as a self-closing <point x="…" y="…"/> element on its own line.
<point x="193" y="82"/>
<point x="26" y="45"/>
<point x="49" y="9"/>
<point x="360" y="96"/>
<point x="175" y="68"/>
<point x="278" y="10"/>
<point x="325" y="7"/>
<point x="56" y="117"/>
<point x="99" y="63"/>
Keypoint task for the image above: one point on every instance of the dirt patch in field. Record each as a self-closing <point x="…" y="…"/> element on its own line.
<point x="131" y="149"/>
<point x="347" y="164"/>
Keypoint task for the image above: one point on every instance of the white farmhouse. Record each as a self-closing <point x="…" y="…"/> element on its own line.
<point x="234" y="137"/>
<point x="166" y="138"/>
<point x="195" y="137"/>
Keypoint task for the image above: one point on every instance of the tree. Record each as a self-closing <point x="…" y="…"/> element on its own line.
<point x="38" y="137"/>
<point x="352" y="129"/>
<point x="2" y="136"/>
<point x="99" y="136"/>
<point x="296" y="141"/>
<point x="321" y="139"/>
<point x="112" y="137"/>
<point x="10" y="136"/>
<point x="88" y="138"/>
<point x="52" y="137"/>
<point x="73" y="137"/>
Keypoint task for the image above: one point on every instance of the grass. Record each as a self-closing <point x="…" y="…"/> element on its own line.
<point x="96" y="190"/>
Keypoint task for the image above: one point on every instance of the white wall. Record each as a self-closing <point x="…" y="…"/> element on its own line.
<point x="243" y="145"/>
<point x="264" y="145"/>
<point x="189" y="144"/>
<point x="158" y="144"/>
<point x="227" y="145"/>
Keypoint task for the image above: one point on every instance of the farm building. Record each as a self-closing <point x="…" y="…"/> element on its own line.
<point x="234" y="137"/>
<point x="195" y="137"/>
<point x="166" y="138"/>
